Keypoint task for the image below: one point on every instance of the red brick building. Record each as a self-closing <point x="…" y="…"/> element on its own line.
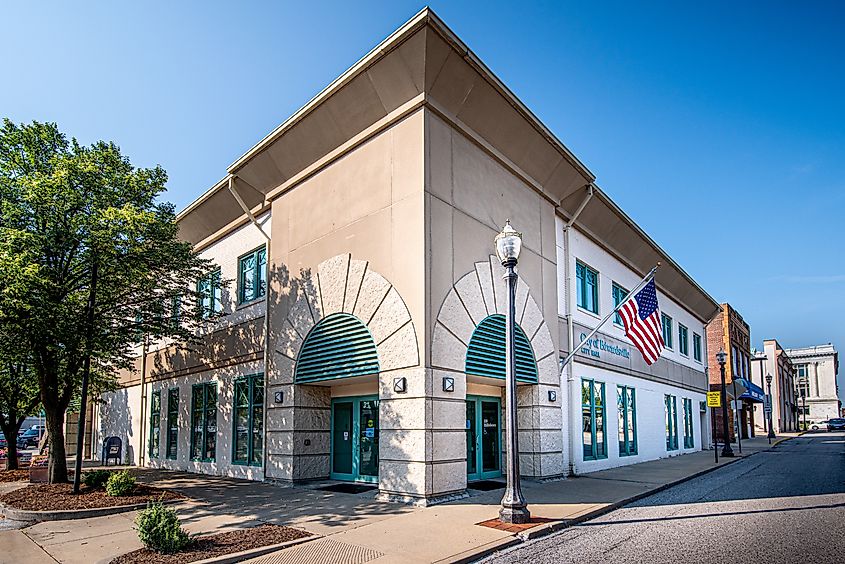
<point x="728" y="331"/>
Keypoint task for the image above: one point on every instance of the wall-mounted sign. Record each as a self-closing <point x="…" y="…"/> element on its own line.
<point x="714" y="399"/>
<point x="598" y="345"/>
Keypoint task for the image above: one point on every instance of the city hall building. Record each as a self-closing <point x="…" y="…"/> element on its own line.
<point x="361" y="334"/>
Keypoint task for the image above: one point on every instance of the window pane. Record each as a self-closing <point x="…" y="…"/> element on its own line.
<point x="587" y="421"/>
<point x="600" y="441"/>
<point x="262" y="272"/>
<point x="241" y="433"/>
<point x="257" y="434"/>
<point x="620" y="407"/>
<point x="247" y="278"/>
<point x="632" y="423"/>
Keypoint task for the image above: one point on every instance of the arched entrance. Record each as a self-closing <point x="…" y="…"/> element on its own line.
<point x="340" y="346"/>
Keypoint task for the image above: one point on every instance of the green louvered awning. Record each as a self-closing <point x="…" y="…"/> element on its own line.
<point x="486" y="351"/>
<point x="339" y="346"/>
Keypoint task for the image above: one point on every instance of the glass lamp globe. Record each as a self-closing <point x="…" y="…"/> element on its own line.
<point x="768" y="379"/>
<point x="508" y="244"/>
<point x="721" y="357"/>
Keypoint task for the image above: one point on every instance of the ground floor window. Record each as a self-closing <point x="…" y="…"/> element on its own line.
<point x="204" y="422"/>
<point x="626" y="399"/>
<point x="689" y="439"/>
<point x="249" y="420"/>
<point x="671" y="422"/>
<point x="592" y="409"/>
<point x="172" y="422"/>
<point x="155" y="424"/>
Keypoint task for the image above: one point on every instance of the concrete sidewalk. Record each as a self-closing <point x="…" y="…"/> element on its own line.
<point x="357" y="525"/>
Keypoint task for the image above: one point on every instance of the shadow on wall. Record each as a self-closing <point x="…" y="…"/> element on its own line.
<point x="116" y="421"/>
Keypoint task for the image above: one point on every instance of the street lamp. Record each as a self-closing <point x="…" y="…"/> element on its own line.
<point x="508" y="245"/>
<point x="727" y="451"/>
<point x="771" y="429"/>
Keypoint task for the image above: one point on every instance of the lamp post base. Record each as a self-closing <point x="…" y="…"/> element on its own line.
<point x="514" y="515"/>
<point x="727" y="451"/>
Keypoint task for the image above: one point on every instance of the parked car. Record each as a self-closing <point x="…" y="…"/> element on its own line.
<point x="836" y="424"/>
<point x="816" y="425"/>
<point x="29" y="438"/>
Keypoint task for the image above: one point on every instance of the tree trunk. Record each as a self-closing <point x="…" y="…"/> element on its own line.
<point x="11" y="435"/>
<point x="57" y="472"/>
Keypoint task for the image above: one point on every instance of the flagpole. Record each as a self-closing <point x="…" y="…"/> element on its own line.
<point x="633" y="292"/>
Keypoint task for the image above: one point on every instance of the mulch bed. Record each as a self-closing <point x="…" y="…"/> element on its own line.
<point x="14" y="475"/>
<point x="60" y="497"/>
<point x="209" y="546"/>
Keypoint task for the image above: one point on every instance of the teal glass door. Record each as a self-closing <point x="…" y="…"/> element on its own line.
<point x="355" y="441"/>
<point x="484" y="433"/>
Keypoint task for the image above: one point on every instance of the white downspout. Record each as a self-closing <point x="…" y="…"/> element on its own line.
<point x="257" y="225"/>
<point x="570" y="327"/>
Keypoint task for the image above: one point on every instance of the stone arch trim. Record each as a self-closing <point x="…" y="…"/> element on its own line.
<point x="345" y="285"/>
<point x="477" y="295"/>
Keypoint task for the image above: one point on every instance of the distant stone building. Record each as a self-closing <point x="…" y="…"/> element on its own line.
<point x="816" y="369"/>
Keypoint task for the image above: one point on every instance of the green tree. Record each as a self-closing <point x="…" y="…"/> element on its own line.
<point x="19" y="394"/>
<point x="91" y="259"/>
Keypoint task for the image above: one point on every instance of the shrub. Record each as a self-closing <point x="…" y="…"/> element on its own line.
<point x="159" y="529"/>
<point x="96" y="478"/>
<point x="120" y="483"/>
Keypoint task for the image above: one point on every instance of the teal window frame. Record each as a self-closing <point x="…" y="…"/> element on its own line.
<point x="587" y="287"/>
<point x="202" y="421"/>
<point x="666" y="324"/>
<point x="689" y="436"/>
<point x="696" y="347"/>
<point x="253" y="402"/>
<point x="172" y="424"/>
<point x="257" y="278"/>
<point x="210" y="294"/>
<point x="671" y="411"/>
<point x="626" y="401"/>
<point x="155" y="424"/>
<point x="619" y="294"/>
<point x="683" y="339"/>
<point x="591" y="412"/>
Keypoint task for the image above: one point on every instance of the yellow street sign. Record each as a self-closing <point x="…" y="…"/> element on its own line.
<point x="714" y="399"/>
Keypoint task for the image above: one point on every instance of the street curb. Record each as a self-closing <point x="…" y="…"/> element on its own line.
<point x="68" y="514"/>
<point x="555" y="526"/>
<point x="256" y="552"/>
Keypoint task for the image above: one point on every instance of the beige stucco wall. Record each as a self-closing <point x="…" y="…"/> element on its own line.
<point x="469" y="195"/>
<point x="355" y="228"/>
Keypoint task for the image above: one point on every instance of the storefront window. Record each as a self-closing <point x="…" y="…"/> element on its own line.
<point x="592" y="409"/>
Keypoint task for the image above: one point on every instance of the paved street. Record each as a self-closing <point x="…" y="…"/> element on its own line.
<point x="785" y="505"/>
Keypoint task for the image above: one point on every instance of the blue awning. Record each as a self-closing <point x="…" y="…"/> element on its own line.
<point x="752" y="391"/>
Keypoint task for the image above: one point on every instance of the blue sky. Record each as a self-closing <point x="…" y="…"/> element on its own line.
<point x="718" y="126"/>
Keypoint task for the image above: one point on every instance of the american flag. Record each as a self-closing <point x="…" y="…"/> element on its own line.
<point x="641" y="317"/>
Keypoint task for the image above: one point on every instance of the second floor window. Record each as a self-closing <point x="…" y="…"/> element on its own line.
<point x="210" y="295"/>
<point x="696" y="346"/>
<point x="667" y="329"/>
<point x="587" y="287"/>
<point x="619" y="295"/>
<point x="252" y="275"/>
<point x="683" y="340"/>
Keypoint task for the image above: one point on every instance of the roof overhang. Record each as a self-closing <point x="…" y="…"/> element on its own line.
<point x="422" y="59"/>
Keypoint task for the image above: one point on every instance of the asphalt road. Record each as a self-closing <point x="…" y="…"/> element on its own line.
<point x="786" y="505"/>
